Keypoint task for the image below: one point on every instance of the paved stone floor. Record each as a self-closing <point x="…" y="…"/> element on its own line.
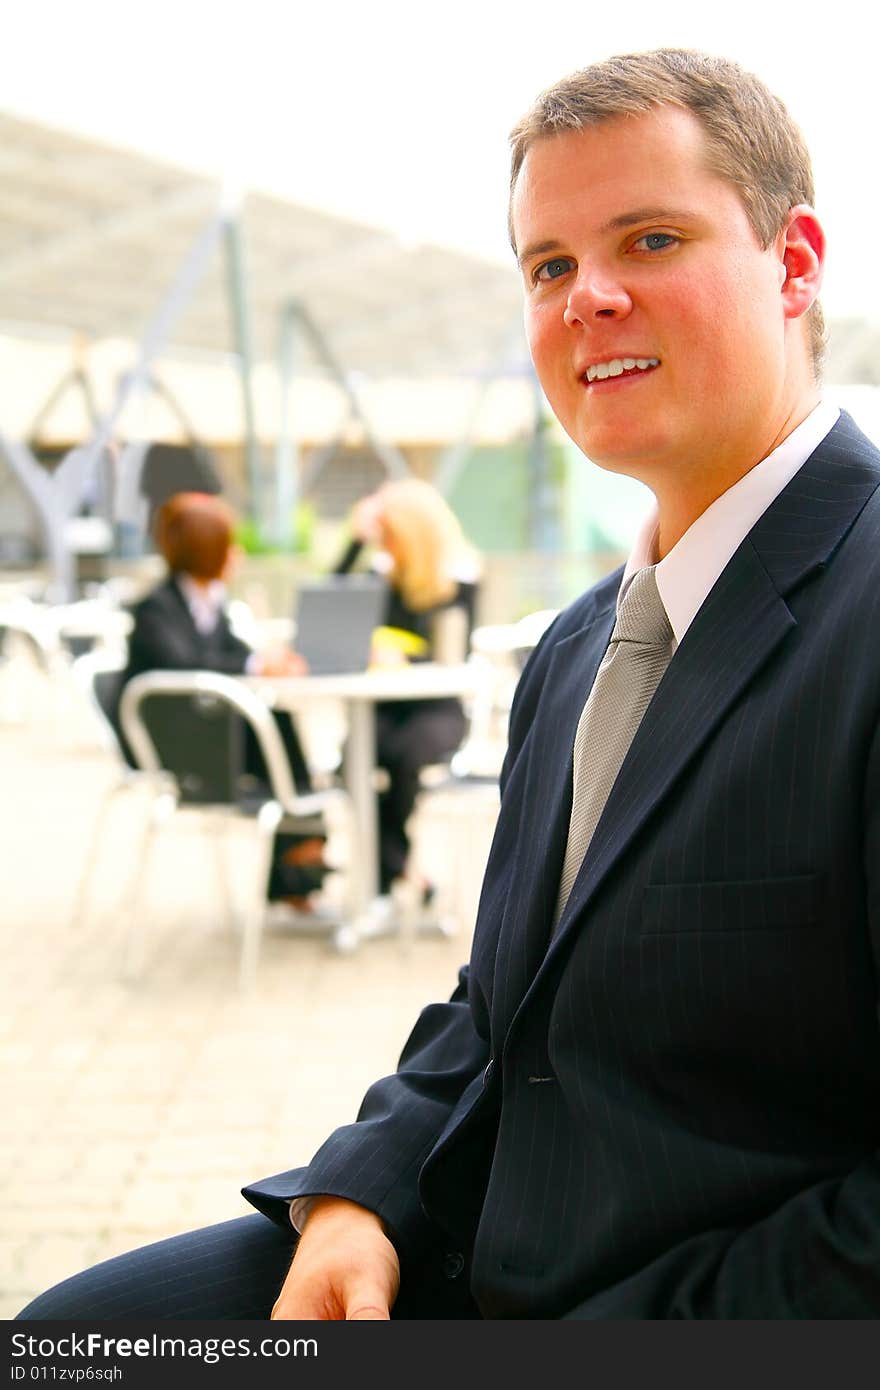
<point x="134" y="1111"/>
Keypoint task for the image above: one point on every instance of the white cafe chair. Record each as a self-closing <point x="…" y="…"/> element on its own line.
<point x="186" y="730"/>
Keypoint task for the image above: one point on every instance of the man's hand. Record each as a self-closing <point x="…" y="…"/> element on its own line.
<point x="345" y="1267"/>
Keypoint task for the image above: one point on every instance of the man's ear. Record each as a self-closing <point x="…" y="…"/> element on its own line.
<point x="802" y="250"/>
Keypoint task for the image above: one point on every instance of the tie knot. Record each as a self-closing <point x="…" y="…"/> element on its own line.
<point x="642" y="617"/>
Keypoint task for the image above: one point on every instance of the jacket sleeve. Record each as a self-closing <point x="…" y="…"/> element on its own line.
<point x="231" y="658"/>
<point x="376" y="1161"/>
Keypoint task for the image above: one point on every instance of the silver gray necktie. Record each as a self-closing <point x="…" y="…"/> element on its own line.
<point x="639" y="652"/>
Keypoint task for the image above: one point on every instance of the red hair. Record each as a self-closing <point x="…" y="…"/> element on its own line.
<point x="193" y="532"/>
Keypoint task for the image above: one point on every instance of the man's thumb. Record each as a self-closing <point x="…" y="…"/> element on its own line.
<point x="365" y="1309"/>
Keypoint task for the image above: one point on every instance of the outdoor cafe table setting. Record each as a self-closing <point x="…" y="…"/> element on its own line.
<point x="358" y="694"/>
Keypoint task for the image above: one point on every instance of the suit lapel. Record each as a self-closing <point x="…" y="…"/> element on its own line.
<point x="522" y="941"/>
<point x="203" y="642"/>
<point x="742" y="623"/>
<point x="740" y="626"/>
<point x="177" y="599"/>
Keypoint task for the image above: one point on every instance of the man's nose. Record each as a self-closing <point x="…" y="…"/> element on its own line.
<point x="594" y="295"/>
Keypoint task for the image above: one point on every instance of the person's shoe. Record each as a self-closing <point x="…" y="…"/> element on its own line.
<point x="299" y="871"/>
<point x="310" y="851"/>
<point x="382" y="917"/>
<point x="426" y="914"/>
<point x="302" y="913"/>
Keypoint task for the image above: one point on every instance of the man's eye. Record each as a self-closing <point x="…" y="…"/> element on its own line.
<point x="656" y="241"/>
<point x="551" y="270"/>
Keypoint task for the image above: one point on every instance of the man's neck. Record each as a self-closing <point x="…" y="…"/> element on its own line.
<point x="693" y="493"/>
<point x="190" y="581"/>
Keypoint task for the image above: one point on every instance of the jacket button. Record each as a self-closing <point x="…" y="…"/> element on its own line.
<point x="453" y="1264"/>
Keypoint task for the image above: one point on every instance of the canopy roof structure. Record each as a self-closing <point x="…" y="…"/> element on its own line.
<point x="108" y="250"/>
<point x="92" y="236"/>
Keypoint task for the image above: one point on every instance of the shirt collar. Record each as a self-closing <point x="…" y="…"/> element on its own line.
<point x="687" y="574"/>
<point x="204" y="601"/>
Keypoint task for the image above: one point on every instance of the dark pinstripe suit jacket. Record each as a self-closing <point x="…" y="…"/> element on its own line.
<point x="681" y="1117"/>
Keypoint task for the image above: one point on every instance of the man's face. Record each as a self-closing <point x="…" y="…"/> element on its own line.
<point x="655" y="320"/>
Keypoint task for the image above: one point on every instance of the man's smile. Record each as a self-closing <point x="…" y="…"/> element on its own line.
<point x="617" y="367"/>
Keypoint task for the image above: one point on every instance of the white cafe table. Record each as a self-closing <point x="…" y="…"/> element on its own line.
<point x="359" y="694"/>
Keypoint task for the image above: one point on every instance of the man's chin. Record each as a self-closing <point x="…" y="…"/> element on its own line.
<point x="636" y="459"/>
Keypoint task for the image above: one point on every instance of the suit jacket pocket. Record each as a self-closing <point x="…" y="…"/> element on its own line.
<point x="764" y="904"/>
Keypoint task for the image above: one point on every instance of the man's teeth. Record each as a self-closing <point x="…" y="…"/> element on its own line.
<point x="602" y="370"/>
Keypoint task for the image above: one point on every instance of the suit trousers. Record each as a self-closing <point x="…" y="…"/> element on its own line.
<point x="230" y="1271"/>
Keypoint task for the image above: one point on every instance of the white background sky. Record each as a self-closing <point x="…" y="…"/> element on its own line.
<point x="398" y="114"/>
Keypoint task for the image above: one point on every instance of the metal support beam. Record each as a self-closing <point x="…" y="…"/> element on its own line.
<point x="390" y="455"/>
<point x="57" y="495"/>
<point x="74" y="379"/>
<point x="164" y="392"/>
<point x="286" y="451"/>
<point x="455" y="457"/>
<point x="159" y="329"/>
<point x="54" y="495"/>
<point x="238" y="299"/>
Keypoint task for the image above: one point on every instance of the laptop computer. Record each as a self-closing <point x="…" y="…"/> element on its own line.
<point x="334" y="620"/>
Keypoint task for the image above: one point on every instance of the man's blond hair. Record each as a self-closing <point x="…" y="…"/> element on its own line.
<point x="751" y="140"/>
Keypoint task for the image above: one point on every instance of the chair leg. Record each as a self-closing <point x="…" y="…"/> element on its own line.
<point x="464" y="818"/>
<point x="82" y="894"/>
<point x="164" y="805"/>
<point x="267" y="822"/>
<point x="219" y="842"/>
<point x="128" y="894"/>
<point x="345" y="938"/>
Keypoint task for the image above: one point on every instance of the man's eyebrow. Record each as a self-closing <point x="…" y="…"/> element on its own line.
<point x="615" y="224"/>
<point x="537" y="248"/>
<point x="648" y="214"/>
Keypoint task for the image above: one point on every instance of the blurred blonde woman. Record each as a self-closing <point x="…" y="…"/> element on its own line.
<point x="433" y="574"/>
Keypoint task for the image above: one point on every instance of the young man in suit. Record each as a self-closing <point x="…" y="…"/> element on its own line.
<point x="655" y="1091"/>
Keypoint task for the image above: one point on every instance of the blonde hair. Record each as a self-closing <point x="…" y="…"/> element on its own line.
<point x="425" y="541"/>
<point x="751" y="140"/>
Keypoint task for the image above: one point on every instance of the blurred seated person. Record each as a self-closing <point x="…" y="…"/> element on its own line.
<point x="432" y="573"/>
<point x="183" y="625"/>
